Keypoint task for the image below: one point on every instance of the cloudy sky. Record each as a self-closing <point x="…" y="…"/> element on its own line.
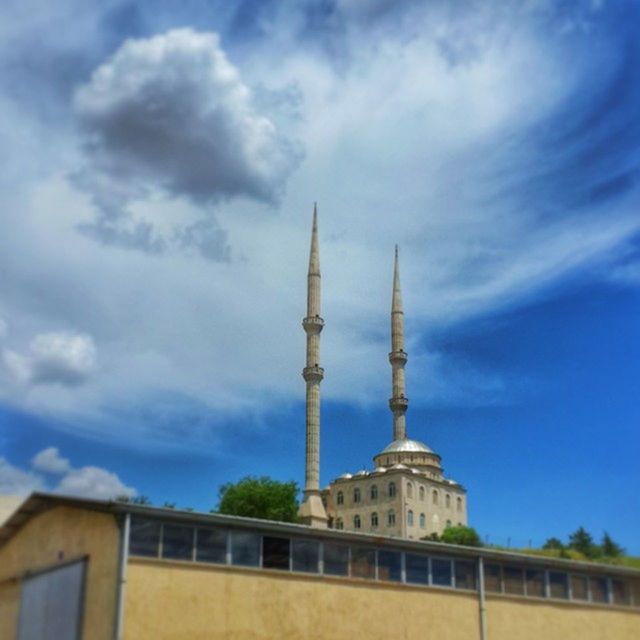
<point x="158" y="169"/>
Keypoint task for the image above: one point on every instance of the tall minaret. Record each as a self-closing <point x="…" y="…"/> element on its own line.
<point x="398" y="358"/>
<point x="312" y="511"/>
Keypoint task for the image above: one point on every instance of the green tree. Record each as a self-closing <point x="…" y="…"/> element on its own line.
<point x="260" y="498"/>
<point x="433" y="537"/>
<point x="467" y="536"/>
<point x="581" y="541"/>
<point x="553" y="543"/>
<point x="610" y="548"/>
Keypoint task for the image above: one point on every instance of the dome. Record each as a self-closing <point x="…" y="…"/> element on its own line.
<point x="362" y="472"/>
<point x="406" y="446"/>
<point x="379" y="470"/>
<point x="345" y="476"/>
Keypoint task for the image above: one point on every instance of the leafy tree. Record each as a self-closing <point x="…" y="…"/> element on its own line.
<point x="553" y="543"/>
<point x="581" y="541"/>
<point x="260" y="498"/>
<point x="135" y="500"/>
<point x="467" y="536"/>
<point x="434" y="537"/>
<point x="610" y="548"/>
<point x="169" y="505"/>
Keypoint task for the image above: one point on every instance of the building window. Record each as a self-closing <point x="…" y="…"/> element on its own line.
<point x="465" y="574"/>
<point x="339" y="524"/>
<point x="410" y="518"/>
<point x="374" y="520"/>
<point x="275" y="553"/>
<point x="340" y="497"/>
<point x="363" y="562"/>
<point x="421" y="493"/>
<point x="534" y="583"/>
<point x="389" y="565"/>
<point x="245" y="548"/>
<point x="493" y="578"/>
<point x="598" y="589"/>
<point x="447" y="501"/>
<point x="306" y="554"/>
<point x="356" y="495"/>
<point x="145" y="537"/>
<point x="513" y="580"/>
<point x="459" y="504"/>
<point x="558" y="585"/>
<point x="356" y="521"/>
<point x="579" y="588"/>
<point x="434" y="496"/>
<point x="423" y="521"/>
<point x="391" y="518"/>
<point x="336" y="559"/>
<point x="441" y="572"/>
<point x="409" y="490"/>
<point x="392" y="489"/>
<point x="211" y="545"/>
<point x="417" y="567"/>
<point x="177" y="542"/>
<point x="374" y="492"/>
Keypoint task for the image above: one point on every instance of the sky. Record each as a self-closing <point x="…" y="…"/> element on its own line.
<point x="159" y="163"/>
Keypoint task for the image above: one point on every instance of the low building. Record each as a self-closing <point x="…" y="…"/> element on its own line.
<point x="73" y="569"/>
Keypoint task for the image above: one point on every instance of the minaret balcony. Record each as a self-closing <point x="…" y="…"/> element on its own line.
<point x="398" y="404"/>
<point x="398" y="357"/>
<point x="313" y="324"/>
<point x="313" y="374"/>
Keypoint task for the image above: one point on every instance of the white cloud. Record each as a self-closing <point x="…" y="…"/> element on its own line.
<point x="88" y="482"/>
<point x="16" y="481"/>
<point x="172" y="112"/>
<point x="58" y="357"/>
<point x="49" y="460"/>
<point x="93" y="482"/>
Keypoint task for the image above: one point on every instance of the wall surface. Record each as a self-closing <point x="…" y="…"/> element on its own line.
<point x="181" y="601"/>
<point x="186" y="602"/>
<point x="53" y="538"/>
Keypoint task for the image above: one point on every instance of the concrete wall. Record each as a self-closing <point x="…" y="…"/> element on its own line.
<point x="185" y="602"/>
<point x="55" y="537"/>
<point x="179" y="601"/>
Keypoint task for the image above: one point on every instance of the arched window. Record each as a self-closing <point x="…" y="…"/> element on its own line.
<point x="434" y="496"/>
<point x="340" y="497"/>
<point x="391" y="518"/>
<point x="339" y="524"/>
<point x="374" y="520"/>
<point x="356" y="495"/>
<point x="410" y="518"/>
<point x="409" y="490"/>
<point x="448" y="523"/>
<point x="421" y="493"/>
<point x="459" y="504"/>
<point x="356" y="521"/>
<point x="423" y="521"/>
<point x="392" y="489"/>
<point x="447" y="501"/>
<point x="374" y="492"/>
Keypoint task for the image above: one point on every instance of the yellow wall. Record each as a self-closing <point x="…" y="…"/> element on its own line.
<point x="511" y="619"/>
<point x="74" y="533"/>
<point x="181" y="602"/>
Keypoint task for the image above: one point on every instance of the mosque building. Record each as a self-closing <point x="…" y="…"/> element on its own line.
<point x="406" y="494"/>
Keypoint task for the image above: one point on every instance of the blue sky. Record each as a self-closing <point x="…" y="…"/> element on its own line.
<point x="158" y="169"/>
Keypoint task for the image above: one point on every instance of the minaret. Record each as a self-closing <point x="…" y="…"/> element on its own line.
<point x="398" y="358"/>
<point x="312" y="511"/>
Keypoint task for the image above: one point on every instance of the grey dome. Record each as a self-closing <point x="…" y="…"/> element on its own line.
<point x="406" y="446"/>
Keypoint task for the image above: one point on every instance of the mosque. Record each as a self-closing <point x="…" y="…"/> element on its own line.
<point x="406" y="494"/>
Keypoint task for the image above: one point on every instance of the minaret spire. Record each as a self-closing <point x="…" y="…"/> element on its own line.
<point x="312" y="510"/>
<point x="398" y="402"/>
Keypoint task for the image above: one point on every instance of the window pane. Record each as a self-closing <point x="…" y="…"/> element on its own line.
<point x="212" y="545"/>
<point x="389" y="567"/>
<point x="535" y="583"/>
<point x="363" y="562"/>
<point x="441" y="572"/>
<point x="558" y="585"/>
<point x="513" y="580"/>
<point x="275" y="553"/>
<point x="336" y="559"/>
<point x="465" y="575"/>
<point x="492" y="578"/>
<point x="619" y="592"/>
<point x="145" y="537"/>
<point x="598" y="589"/>
<point x="306" y="554"/>
<point x="579" y="588"/>
<point x="417" y="568"/>
<point x="177" y="542"/>
<point x="245" y="548"/>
